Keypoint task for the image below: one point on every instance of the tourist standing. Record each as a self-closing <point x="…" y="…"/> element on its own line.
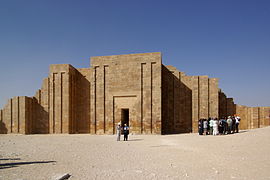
<point x="126" y="132"/>
<point x="220" y="126"/>
<point x="215" y="127"/>
<point x="205" y="126"/>
<point x="233" y="124"/>
<point x="229" y="122"/>
<point x="237" y="122"/>
<point x="200" y="127"/>
<point x="118" y="131"/>
<point x="211" y="124"/>
<point x="224" y="125"/>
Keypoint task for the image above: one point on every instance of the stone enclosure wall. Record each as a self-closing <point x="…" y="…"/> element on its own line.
<point x="16" y="116"/>
<point x="136" y="89"/>
<point x="126" y="83"/>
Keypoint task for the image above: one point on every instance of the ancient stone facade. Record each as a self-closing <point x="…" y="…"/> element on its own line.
<point x="136" y="89"/>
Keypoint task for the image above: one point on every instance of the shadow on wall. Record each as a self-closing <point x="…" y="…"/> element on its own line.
<point x="3" y="129"/>
<point x="40" y="119"/>
<point x="176" y="104"/>
<point x="80" y="105"/>
<point x="226" y="106"/>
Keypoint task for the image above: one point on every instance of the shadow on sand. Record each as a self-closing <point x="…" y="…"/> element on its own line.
<point x="16" y="164"/>
<point x="243" y="131"/>
<point x="135" y="139"/>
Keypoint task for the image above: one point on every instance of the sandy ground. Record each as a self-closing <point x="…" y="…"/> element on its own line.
<point x="245" y="155"/>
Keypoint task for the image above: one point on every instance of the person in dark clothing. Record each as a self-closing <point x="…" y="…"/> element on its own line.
<point x="205" y="126"/>
<point x="208" y="125"/>
<point x="126" y="132"/>
<point x="220" y="126"/>
<point x="233" y="124"/>
<point x="224" y="125"/>
<point x="200" y="126"/>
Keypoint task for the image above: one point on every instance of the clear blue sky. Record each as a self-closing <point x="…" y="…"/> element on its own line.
<point x="227" y="39"/>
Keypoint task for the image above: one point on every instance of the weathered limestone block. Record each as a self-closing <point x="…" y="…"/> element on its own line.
<point x="195" y="103"/>
<point x="15" y="115"/>
<point x="203" y="97"/>
<point x="8" y="116"/>
<point x="255" y="118"/>
<point x="266" y="116"/>
<point x="3" y="128"/>
<point x="213" y="97"/>
<point x="242" y="112"/>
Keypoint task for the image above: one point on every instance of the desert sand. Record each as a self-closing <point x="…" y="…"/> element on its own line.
<point x="245" y="155"/>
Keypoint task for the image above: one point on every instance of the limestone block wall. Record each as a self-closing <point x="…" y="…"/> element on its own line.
<point x="222" y="104"/>
<point x="264" y="116"/>
<point x="186" y="99"/>
<point x="80" y="82"/>
<point x="16" y="117"/>
<point x="60" y="98"/>
<point x="126" y="82"/>
<point x="40" y="109"/>
<point x="253" y="117"/>
<point x="231" y="109"/>
<point x="213" y="97"/>
<point x="176" y="102"/>
<point x="136" y="89"/>
<point x="62" y="105"/>
<point x="205" y="98"/>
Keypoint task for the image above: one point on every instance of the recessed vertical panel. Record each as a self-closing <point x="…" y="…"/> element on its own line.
<point x="11" y="115"/>
<point x="15" y="115"/>
<point x="195" y="103"/>
<point x="93" y="102"/>
<point x="213" y="97"/>
<point x="52" y="102"/>
<point x="147" y="91"/>
<point x="143" y="65"/>
<point x="203" y="97"/>
<point x="156" y="97"/>
<point x="58" y="103"/>
<point x="107" y="124"/>
<point x="65" y="103"/>
<point x="99" y="100"/>
<point x="22" y="115"/>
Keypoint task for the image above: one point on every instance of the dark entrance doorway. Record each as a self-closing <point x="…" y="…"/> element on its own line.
<point x="124" y="117"/>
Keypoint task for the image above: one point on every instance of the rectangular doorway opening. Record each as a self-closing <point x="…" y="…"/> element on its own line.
<point x="124" y="117"/>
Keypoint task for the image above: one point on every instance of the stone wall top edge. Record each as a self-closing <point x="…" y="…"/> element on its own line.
<point x="124" y="59"/>
<point x="214" y="78"/>
<point x="61" y="67"/>
<point x="127" y="55"/>
<point x="14" y="97"/>
<point x="84" y="69"/>
<point x="252" y="106"/>
<point x="170" y="67"/>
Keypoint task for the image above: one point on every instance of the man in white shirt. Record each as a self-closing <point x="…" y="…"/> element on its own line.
<point x="237" y="122"/>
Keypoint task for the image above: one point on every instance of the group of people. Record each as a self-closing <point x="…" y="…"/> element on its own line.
<point x="214" y="126"/>
<point x="122" y="130"/>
